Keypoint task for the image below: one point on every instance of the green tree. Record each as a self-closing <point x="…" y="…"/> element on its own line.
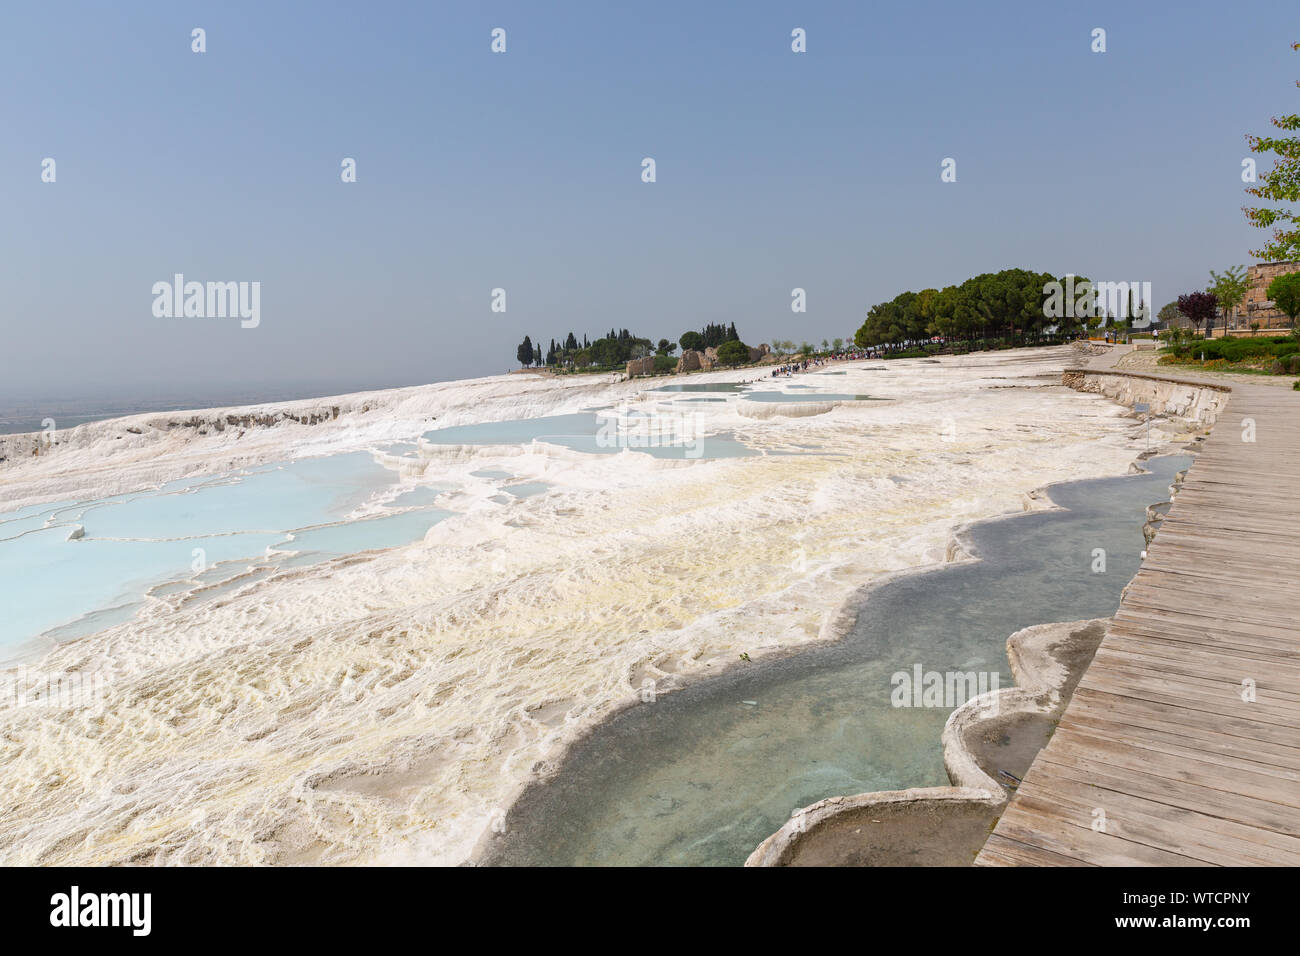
<point x="733" y="352"/>
<point x="524" y="354"/>
<point x="691" y="341"/>
<point x="1080" y="315"/>
<point x="1229" y="289"/>
<point x="1279" y="184"/>
<point x="1285" y="293"/>
<point x="1010" y="305"/>
<point x="944" y="318"/>
<point x="919" y="313"/>
<point x="837" y="345"/>
<point x="1134" y="313"/>
<point x="665" y="347"/>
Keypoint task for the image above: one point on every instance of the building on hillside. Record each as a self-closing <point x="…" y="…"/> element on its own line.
<point x="1256" y="306"/>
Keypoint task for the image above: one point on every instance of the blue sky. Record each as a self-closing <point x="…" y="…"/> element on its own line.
<point x="522" y="171"/>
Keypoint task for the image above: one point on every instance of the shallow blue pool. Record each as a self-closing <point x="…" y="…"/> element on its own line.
<point x="668" y="436"/>
<point x="198" y="529"/>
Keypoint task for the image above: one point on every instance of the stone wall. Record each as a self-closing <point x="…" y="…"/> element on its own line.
<point x="1198" y="402"/>
<point x="1256" y="306"/>
<point x="693" y="361"/>
<point x="641" y="366"/>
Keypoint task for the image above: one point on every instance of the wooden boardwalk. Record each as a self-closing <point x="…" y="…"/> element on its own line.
<point x="1159" y="759"/>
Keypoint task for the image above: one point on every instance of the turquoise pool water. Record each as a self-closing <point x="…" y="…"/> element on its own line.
<point x="702" y="775"/>
<point x="704" y="387"/>
<point x="201" y="529"/>
<point x="419" y="497"/>
<point x="809" y="397"/>
<point x="593" y="434"/>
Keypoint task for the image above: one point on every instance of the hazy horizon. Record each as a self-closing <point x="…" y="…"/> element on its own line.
<point x="522" y="170"/>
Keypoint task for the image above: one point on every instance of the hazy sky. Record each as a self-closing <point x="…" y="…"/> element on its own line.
<point x="522" y="171"/>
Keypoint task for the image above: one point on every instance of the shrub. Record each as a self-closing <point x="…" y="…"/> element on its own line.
<point x="1176" y="337"/>
<point x="1285" y="292"/>
<point x="906" y="353"/>
<point x="733" y="353"/>
<point x="1237" y="350"/>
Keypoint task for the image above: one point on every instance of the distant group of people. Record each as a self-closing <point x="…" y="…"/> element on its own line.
<point x="792" y="368"/>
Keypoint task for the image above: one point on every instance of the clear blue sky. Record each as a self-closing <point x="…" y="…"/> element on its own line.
<point x="522" y="170"/>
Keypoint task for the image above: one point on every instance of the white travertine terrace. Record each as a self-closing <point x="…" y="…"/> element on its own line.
<point x="387" y="707"/>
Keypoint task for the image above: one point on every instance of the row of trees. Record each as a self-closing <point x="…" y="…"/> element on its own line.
<point x="709" y="337"/>
<point x="617" y="348"/>
<point x="613" y="349"/>
<point x="1012" y="305"/>
<point x="790" y="347"/>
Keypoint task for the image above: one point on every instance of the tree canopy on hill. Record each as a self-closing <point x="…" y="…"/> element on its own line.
<point x="609" y="351"/>
<point x="733" y="352"/>
<point x="1007" y="304"/>
<point x="616" y="348"/>
<point x="711" y="336"/>
<point x="524" y="353"/>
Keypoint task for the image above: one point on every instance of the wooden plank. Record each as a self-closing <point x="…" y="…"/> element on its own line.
<point x="1201" y="836"/>
<point x="1001" y="851"/>
<point x="1049" y="830"/>
<point x="1156" y="734"/>
<point x="1124" y="717"/>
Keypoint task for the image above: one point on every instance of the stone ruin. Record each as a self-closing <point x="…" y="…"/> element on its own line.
<point x="641" y="366"/>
